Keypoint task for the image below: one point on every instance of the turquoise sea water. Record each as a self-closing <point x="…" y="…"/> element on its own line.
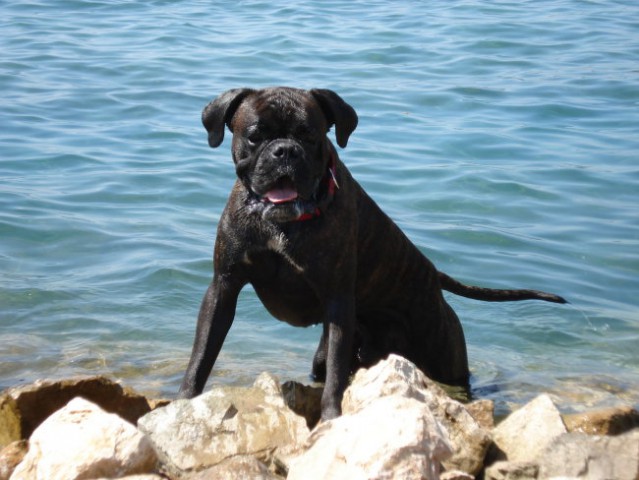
<point x="503" y="137"/>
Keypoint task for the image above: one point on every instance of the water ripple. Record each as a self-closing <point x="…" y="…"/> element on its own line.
<point x="500" y="136"/>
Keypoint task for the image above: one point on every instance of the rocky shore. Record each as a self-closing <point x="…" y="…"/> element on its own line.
<point x="396" y="424"/>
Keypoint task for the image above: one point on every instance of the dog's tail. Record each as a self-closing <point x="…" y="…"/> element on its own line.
<point x="493" y="294"/>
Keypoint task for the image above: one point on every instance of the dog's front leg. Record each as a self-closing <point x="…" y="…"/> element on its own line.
<point x="318" y="369"/>
<point x="214" y="321"/>
<point x="340" y="326"/>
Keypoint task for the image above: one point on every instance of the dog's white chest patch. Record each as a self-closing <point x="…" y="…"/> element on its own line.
<point x="279" y="244"/>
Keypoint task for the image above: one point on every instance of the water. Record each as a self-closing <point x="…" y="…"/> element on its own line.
<point x="501" y="136"/>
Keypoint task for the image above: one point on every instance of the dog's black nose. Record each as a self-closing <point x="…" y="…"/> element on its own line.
<point x="287" y="151"/>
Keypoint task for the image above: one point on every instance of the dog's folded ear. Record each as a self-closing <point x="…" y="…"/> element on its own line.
<point x="338" y="113"/>
<point x="219" y="113"/>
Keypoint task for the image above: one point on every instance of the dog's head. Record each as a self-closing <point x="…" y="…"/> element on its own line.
<point x="280" y="146"/>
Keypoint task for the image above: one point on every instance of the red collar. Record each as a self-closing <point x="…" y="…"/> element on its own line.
<point x="329" y="182"/>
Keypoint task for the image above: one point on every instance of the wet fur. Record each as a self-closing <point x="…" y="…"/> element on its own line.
<point x="351" y="269"/>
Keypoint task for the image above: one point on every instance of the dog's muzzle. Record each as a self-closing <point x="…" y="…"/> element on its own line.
<point x="282" y="203"/>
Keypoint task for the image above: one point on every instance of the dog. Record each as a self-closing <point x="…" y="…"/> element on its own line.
<point x="318" y="250"/>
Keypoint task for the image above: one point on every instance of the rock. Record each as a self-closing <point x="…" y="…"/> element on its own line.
<point x="148" y="476"/>
<point x="83" y="441"/>
<point x="456" y="475"/>
<point x="483" y="411"/>
<point x="610" y="421"/>
<point x="10" y="430"/>
<point x="392" y="437"/>
<point x="397" y="376"/>
<point x="512" y="471"/>
<point x="304" y="400"/>
<point x="393" y="376"/>
<point x="11" y="456"/>
<point x="235" y="468"/>
<point x="194" y="434"/>
<point x="35" y="402"/>
<point x="582" y="456"/>
<point x="525" y="433"/>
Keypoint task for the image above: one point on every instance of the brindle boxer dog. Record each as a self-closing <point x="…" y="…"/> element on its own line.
<point x="318" y="249"/>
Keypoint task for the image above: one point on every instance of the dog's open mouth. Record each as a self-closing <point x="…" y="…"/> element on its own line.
<point x="282" y="200"/>
<point x="282" y="192"/>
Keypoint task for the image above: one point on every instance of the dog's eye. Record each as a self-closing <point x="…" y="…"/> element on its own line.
<point x="308" y="135"/>
<point x="254" y="138"/>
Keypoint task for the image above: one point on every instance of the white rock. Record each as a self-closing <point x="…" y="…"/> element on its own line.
<point x="398" y="376"/>
<point x="505" y="470"/>
<point x="577" y="456"/>
<point x="393" y="376"/>
<point x="191" y="435"/>
<point x="456" y="475"/>
<point x="234" y="468"/>
<point x="147" y="476"/>
<point x="592" y="457"/>
<point x="11" y="456"/>
<point x="390" y="438"/>
<point x="525" y="433"/>
<point x="83" y="441"/>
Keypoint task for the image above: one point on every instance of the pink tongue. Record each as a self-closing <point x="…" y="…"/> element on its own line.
<point x="281" y="195"/>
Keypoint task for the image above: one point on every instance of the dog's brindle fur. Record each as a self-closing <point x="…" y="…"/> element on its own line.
<point x="318" y="249"/>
